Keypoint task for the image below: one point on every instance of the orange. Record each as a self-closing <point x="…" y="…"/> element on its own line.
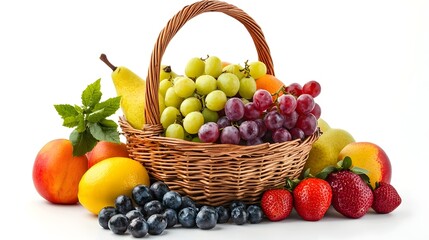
<point x="270" y="83"/>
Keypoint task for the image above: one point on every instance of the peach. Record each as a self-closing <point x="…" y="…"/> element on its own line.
<point x="104" y="150"/>
<point x="371" y="157"/>
<point x="57" y="173"/>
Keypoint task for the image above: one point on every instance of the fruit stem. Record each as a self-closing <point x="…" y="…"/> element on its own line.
<point x="103" y="58"/>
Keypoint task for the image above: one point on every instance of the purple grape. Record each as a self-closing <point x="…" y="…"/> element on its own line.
<point x="304" y="103"/>
<point x="297" y="133"/>
<point x="273" y="120"/>
<point x="290" y="120"/>
<point x="262" y="129"/>
<point x="287" y="104"/>
<point x="223" y="122"/>
<point x="248" y="130"/>
<point x="230" y="134"/>
<point x="307" y="123"/>
<point x="262" y="99"/>
<point x="251" y="112"/>
<point x="234" y="109"/>
<point x="281" y="135"/>
<point x="208" y="132"/>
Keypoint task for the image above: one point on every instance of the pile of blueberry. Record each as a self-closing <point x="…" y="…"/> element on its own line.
<point x="154" y="208"/>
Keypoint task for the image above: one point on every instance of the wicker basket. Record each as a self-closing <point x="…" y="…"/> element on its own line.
<point x="213" y="174"/>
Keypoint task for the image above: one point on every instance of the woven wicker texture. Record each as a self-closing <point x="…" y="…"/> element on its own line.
<point x="213" y="174"/>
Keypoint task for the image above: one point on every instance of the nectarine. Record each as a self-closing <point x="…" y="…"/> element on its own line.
<point x="56" y="172"/>
<point x="371" y="157"/>
<point x="104" y="150"/>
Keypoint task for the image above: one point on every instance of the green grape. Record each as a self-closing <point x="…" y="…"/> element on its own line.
<point x="257" y="69"/>
<point x="205" y="84"/>
<point x="209" y="115"/>
<point x="164" y="85"/>
<point x="190" y="104"/>
<point x="192" y="122"/>
<point x="216" y="100"/>
<point x="161" y="102"/>
<point x="184" y="87"/>
<point x="247" y="87"/>
<point x="228" y="83"/>
<point x="171" y="98"/>
<point x="175" y="130"/>
<point x="235" y="69"/>
<point x="169" y="116"/>
<point x="196" y="139"/>
<point x="194" y="68"/>
<point x="213" y="66"/>
<point x="165" y="73"/>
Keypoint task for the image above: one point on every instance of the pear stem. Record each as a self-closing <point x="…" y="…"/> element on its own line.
<point x="103" y="58"/>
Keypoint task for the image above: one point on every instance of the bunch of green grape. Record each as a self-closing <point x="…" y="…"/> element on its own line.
<point x="199" y="96"/>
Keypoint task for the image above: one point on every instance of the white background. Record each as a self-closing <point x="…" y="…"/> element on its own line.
<point x="371" y="58"/>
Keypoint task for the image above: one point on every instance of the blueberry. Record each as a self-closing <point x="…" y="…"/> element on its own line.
<point x="124" y="204"/>
<point x="239" y="215"/>
<point x="171" y="216"/>
<point x="134" y="214"/>
<point x="223" y="214"/>
<point x="152" y="207"/>
<point x="105" y="214"/>
<point x="187" y="217"/>
<point x="209" y="208"/>
<point x="158" y="189"/>
<point x="172" y="200"/>
<point x="206" y="218"/>
<point x="138" y="227"/>
<point x="187" y="202"/>
<point x="157" y="224"/>
<point x="254" y="213"/>
<point x="118" y="223"/>
<point x="141" y="195"/>
<point x="235" y="204"/>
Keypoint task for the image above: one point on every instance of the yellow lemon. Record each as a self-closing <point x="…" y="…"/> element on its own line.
<point x="108" y="179"/>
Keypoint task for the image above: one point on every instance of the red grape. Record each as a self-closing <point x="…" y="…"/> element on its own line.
<point x="234" y="109"/>
<point x="304" y="103"/>
<point x="262" y="99"/>
<point x="273" y="120"/>
<point x="208" y="132"/>
<point x="250" y="111"/>
<point x="317" y="111"/>
<point x="312" y="87"/>
<point x="248" y="130"/>
<point x="287" y="104"/>
<point x="290" y="120"/>
<point x="230" y="134"/>
<point x="223" y="122"/>
<point x="307" y="123"/>
<point x="294" y="89"/>
<point x="281" y="135"/>
<point x="262" y="129"/>
<point x="297" y="133"/>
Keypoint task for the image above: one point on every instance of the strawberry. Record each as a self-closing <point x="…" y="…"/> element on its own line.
<point x="277" y="204"/>
<point x="351" y="194"/>
<point x="312" y="198"/>
<point x="386" y="198"/>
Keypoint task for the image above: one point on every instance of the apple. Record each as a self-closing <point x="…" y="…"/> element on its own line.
<point x="371" y="157"/>
<point x="56" y="172"/>
<point x="104" y="150"/>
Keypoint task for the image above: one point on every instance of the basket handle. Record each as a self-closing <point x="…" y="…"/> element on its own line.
<point x="152" y="113"/>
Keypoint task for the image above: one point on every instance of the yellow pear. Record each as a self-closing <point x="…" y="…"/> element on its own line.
<point x="323" y="125"/>
<point x="326" y="149"/>
<point x="132" y="89"/>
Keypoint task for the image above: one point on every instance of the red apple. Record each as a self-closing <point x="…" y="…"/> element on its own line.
<point x="104" y="150"/>
<point x="371" y="157"/>
<point x="56" y="172"/>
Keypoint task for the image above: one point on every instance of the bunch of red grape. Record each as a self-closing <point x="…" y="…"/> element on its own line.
<point x="290" y="114"/>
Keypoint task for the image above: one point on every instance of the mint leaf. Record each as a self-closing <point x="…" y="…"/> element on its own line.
<point x="104" y="109"/>
<point x="90" y="121"/>
<point x="66" y="110"/>
<point x="104" y="133"/>
<point x="92" y="95"/>
<point x="82" y="142"/>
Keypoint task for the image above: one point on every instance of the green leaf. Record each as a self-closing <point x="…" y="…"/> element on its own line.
<point x="66" y="110"/>
<point x="82" y="142"/>
<point x="102" y="133"/>
<point x="81" y="127"/>
<point x="326" y="171"/>
<point x="92" y="94"/>
<point x="108" y="123"/>
<point x="347" y="162"/>
<point x="104" y="109"/>
<point x="72" y="121"/>
<point x="359" y="170"/>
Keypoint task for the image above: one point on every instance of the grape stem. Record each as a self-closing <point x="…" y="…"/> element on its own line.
<point x="103" y="58"/>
